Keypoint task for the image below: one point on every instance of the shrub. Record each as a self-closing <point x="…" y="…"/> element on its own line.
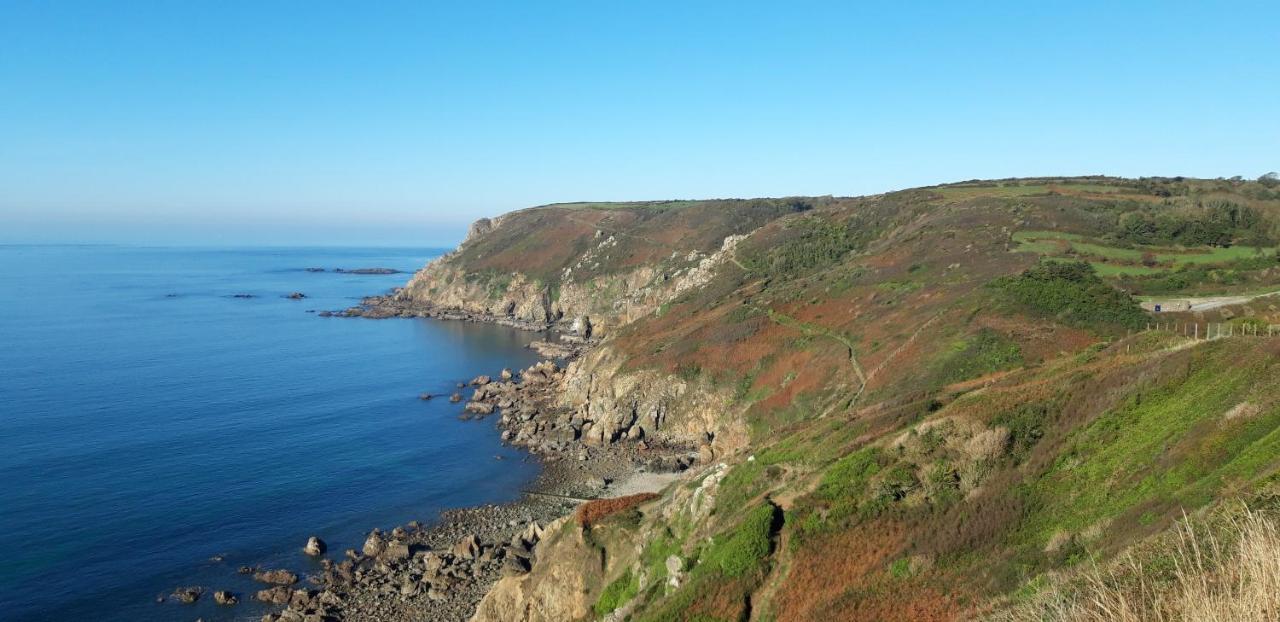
<point x="1073" y="293"/>
<point x="745" y="547"/>
<point x="593" y="512"/>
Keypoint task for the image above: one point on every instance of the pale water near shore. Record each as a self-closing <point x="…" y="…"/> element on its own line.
<point x="148" y="421"/>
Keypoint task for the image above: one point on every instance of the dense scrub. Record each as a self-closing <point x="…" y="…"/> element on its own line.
<point x="1072" y="293"/>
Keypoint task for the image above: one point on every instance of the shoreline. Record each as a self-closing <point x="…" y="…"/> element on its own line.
<point x="443" y="569"/>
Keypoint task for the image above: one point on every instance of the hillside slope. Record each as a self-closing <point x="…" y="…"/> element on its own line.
<point x="918" y="405"/>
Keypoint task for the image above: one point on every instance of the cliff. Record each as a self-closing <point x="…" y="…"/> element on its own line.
<point x="903" y="406"/>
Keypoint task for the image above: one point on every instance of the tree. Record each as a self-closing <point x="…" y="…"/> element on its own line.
<point x="1270" y="180"/>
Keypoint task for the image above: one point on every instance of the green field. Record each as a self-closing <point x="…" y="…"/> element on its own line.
<point x="1114" y="260"/>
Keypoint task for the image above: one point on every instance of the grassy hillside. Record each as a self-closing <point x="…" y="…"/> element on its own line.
<point x="951" y="402"/>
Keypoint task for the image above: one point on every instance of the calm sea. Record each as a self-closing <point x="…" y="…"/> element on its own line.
<point x="150" y="420"/>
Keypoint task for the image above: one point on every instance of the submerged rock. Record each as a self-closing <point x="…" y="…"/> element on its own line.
<point x="187" y="595"/>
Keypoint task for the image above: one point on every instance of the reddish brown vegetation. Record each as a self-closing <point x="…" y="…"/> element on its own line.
<point x="593" y="512"/>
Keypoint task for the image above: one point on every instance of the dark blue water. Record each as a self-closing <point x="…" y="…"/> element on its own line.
<point x="149" y="421"/>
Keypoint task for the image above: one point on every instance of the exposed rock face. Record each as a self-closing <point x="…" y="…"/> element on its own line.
<point x="550" y="592"/>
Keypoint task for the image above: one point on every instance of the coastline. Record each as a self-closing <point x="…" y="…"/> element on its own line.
<point x="441" y="570"/>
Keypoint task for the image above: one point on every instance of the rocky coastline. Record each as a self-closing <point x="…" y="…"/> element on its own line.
<point x="441" y="571"/>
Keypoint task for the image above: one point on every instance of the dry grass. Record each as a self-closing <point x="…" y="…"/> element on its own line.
<point x="1210" y="581"/>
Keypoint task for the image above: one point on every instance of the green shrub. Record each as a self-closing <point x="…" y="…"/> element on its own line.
<point x="1073" y="293"/>
<point x="745" y="547"/>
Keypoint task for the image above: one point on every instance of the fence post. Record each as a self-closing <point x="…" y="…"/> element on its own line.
<point x="1197" y="335"/>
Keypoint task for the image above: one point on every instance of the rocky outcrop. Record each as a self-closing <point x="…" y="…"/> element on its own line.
<point x="552" y="591"/>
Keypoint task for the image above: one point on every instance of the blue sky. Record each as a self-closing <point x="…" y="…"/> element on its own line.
<point x="314" y="122"/>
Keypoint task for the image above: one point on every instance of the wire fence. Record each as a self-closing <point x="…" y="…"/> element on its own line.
<point x="1217" y="330"/>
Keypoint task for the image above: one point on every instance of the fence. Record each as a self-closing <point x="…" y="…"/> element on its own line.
<point x="1217" y="330"/>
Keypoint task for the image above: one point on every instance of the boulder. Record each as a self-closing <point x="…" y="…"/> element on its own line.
<point x="296" y="296"/>
<point x="374" y="545"/>
<point x="276" y="577"/>
<point x="514" y="565"/>
<point x="480" y="381"/>
<point x="223" y="597"/>
<point x="455" y="398"/>
<point x="467" y="547"/>
<point x="425" y="396"/>
<point x="187" y="595"/>
<point x="395" y="551"/>
<point x="479" y="408"/>
<point x="315" y="547"/>
<point x="582" y="326"/>
<point x="278" y="595"/>
<point x="506" y="373"/>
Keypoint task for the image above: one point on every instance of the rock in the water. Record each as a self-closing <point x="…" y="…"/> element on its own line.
<point x="455" y="398"/>
<point x="187" y="595"/>
<point x="278" y="595"/>
<point x="315" y="547"/>
<point x="223" y="597"/>
<point x="296" y="296"/>
<point x="374" y="545"/>
<point x="506" y="373"/>
<point x="480" y="381"/>
<point x="425" y="396"/>
<point x="479" y="408"/>
<point x="276" y="577"/>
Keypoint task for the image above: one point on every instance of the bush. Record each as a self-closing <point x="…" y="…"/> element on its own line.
<point x="1072" y="293"/>
<point x="745" y="547"/>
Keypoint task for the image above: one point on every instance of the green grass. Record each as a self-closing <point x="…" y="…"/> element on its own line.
<point x="978" y="355"/>
<point x="1050" y="243"/>
<point x="1167" y="447"/>
<point x="618" y="593"/>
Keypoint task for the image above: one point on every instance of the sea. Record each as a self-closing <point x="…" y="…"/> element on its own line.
<point x="168" y="415"/>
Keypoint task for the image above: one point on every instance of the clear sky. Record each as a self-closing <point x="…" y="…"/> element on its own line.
<point x="377" y="122"/>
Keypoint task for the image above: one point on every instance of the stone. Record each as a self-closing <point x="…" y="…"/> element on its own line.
<point x="296" y="296"/>
<point x="514" y="565"/>
<point x="479" y="408"/>
<point x="315" y="546"/>
<point x="480" y="381"/>
<point x="455" y="398"/>
<point x="399" y="533"/>
<point x="223" y="597"/>
<point x="247" y="569"/>
<point x="506" y="373"/>
<point x="276" y="577"/>
<point x="467" y="547"/>
<point x="278" y="595"/>
<point x="425" y="396"/>
<point x="187" y="595"/>
<point x="395" y="551"/>
<point x="374" y="545"/>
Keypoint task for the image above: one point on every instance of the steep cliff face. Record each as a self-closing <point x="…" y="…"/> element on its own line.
<point x="645" y="404"/>
<point x="613" y="263"/>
